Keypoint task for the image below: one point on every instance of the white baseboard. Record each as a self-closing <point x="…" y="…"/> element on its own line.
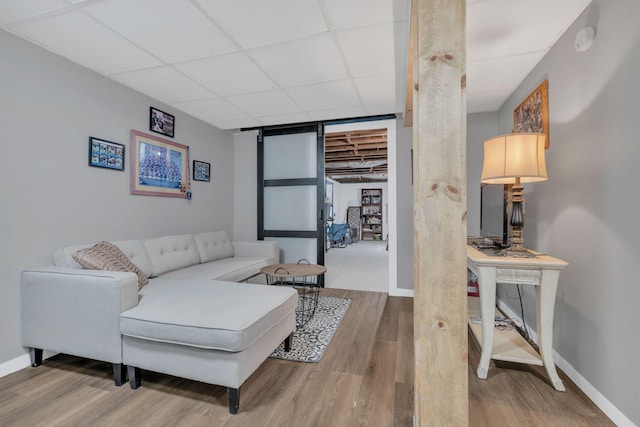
<point x="587" y="388"/>
<point x="20" y="362"/>
<point x="397" y="292"/>
<point x="14" y="365"/>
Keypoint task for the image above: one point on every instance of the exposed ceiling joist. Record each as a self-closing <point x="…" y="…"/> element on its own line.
<point x="356" y="156"/>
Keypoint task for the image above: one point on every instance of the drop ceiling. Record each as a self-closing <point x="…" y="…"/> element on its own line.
<point x="246" y="63"/>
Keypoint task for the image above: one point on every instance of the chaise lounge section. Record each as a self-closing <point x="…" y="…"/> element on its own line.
<point x="221" y="338"/>
<point x="190" y="320"/>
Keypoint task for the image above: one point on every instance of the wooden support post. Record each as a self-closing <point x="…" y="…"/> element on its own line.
<point x="440" y="204"/>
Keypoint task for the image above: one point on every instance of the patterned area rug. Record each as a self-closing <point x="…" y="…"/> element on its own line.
<point x="310" y="342"/>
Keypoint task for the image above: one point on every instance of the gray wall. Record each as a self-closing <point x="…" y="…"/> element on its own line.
<point x="50" y="197"/>
<point x="480" y="126"/>
<point x="404" y="201"/>
<point x="587" y="212"/>
<point x="245" y="219"/>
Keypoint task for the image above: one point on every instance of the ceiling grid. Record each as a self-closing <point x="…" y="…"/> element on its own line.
<point x="249" y="63"/>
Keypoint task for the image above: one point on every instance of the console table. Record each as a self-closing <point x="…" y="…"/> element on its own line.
<point x="542" y="272"/>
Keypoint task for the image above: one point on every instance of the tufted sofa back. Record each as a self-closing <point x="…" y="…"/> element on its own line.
<point x="159" y="255"/>
<point x="168" y="253"/>
<point x="213" y="245"/>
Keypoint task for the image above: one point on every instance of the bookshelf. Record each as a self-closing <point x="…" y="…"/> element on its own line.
<point x="371" y="223"/>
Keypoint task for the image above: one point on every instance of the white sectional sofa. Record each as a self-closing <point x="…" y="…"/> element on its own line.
<point x="190" y="320"/>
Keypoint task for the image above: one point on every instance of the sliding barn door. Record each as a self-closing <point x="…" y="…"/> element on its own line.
<point x="291" y="190"/>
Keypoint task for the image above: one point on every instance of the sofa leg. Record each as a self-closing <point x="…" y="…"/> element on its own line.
<point x="287" y="343"/>
<point x="36" y="356"/>
<point x="135" y="377"/>
<point x="119" y="373"/>
<point x="233" y="394"/>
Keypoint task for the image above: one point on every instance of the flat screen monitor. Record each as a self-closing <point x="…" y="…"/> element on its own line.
<point x="494" y="212"/>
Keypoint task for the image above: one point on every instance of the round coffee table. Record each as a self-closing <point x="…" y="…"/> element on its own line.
<point x="303" y="277"/>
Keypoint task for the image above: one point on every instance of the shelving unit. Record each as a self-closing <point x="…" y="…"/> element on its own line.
<point x="371" y="223"/>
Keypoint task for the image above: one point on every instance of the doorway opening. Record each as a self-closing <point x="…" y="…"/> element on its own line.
<point x="356" y="202"/>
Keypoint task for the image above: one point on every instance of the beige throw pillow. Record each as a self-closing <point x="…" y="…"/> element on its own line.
<point x="107" y="256"/>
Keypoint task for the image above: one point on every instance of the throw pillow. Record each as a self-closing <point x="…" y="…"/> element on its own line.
<point x="107" y="256"/>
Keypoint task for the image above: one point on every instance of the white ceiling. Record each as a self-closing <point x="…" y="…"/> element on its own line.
<point x="246" y="63"/>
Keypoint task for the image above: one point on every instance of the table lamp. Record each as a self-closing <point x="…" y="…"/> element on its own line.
<point x="515" y="158"/>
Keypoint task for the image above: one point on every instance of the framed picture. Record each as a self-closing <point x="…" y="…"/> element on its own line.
<point x="158" y="167"/>
<point x="201" y="171"/>
<point x="532" y="115"/>
<point x="106" y="154"/>
<point x="161" y="122"/>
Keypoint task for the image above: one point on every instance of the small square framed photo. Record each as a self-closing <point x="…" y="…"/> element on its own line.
<point x="161" y="122"/>
<point x="201" y="171"/>
<point x="106" y="154"/>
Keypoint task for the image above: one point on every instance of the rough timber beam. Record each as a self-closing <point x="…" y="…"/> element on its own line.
<point x="440" y="198"/>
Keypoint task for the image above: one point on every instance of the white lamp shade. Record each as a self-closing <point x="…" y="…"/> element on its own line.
<point x="515" y="155"/>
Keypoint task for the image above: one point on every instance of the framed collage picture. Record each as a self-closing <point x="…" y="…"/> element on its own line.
<point x="106" y="154"/>
<point x="201" y="171"/>
<point x="158" y="167"/>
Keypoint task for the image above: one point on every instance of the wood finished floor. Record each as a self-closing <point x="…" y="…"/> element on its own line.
<point x="364" y="379"/>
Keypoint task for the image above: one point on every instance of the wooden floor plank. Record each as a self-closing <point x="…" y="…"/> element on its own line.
<point x="364" y="378"/>
<point x="334" y="404"/>
<point x="405" y="360"/>
<point x="375" y="399"/>
<point x="388" y="329"/>
<point x="403" y="405"/>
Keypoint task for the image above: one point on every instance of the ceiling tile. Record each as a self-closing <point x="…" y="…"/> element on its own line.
<point x="486" y="101"/>
<point x="77" y="37"/>
<point x="369" y="50"/>
<point x="273" y="102"/>
<point x="211" y="110"/>
<point x="500" y="73"/>
<point x="175" y="31"/>
<point x="16" y="10"/>
<point x="500" y="28"/>
<point x="237" y="124"/>
<point x="337" y="113"/>
<point x="325" y="95"/>
<point x="301" y="62"/>
<point x="163" y="83"/>
<point x="257" y="23"/>
<point x="358" y="13"/>
<point x="230" y="74"/>
<point x="284" y="119"/>
<point x="376" y="109"/>
<point x="377" y="89"/>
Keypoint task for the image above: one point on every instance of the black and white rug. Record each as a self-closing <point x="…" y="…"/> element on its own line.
<point x="310" y="342"/>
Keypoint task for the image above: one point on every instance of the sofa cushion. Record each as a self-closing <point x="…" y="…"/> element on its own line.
<point x="133" y="249"/>
<point x="170" y="253"/>
<point x="213" y="245"/>
<point x="234" y="269"/>
<point x="107" y="256"/>
<point x="207" y="314"/>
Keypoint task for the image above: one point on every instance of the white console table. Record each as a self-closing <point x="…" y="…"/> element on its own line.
<point x="542" y="272"/>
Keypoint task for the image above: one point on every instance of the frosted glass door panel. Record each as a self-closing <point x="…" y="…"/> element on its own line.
<point x="290" y="156"/>
<point x="293" y="250"/>
<point x="290" y="208"/>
